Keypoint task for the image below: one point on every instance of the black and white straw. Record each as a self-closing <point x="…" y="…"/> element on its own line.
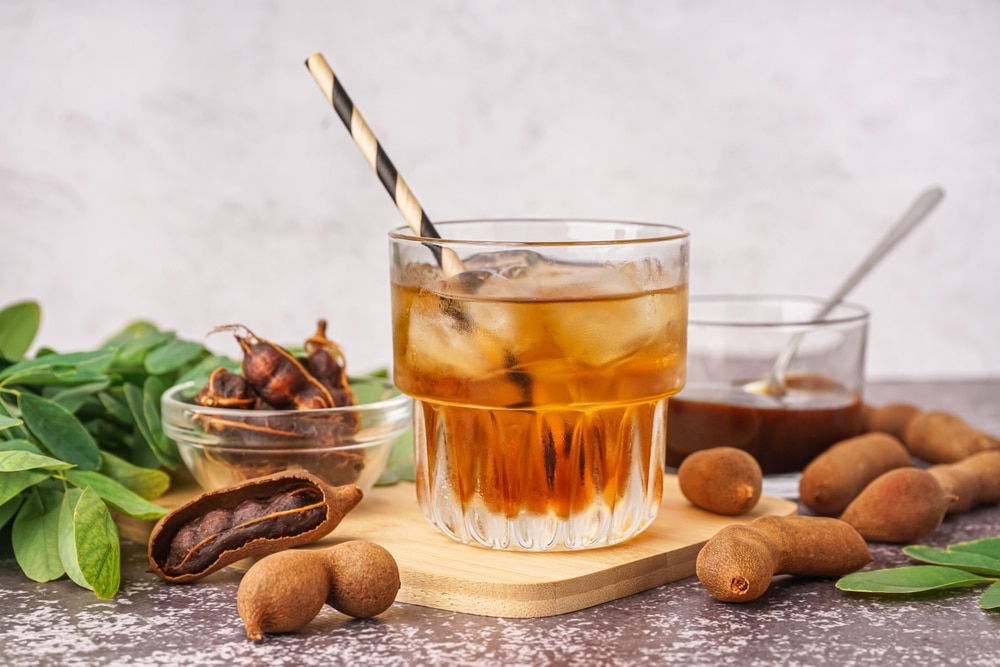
<point x="414" y="214"/>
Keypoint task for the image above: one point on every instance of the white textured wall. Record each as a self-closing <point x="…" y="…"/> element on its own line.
<point x="175" y="160"/>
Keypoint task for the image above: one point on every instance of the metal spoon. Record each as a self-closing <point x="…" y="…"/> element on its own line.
<point x="775" y="383"/>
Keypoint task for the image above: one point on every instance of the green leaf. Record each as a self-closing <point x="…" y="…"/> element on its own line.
<point x="35" y="536"/>
<point x="89" y="545"/>
<point x="970" y="561"/>
<point x="172" y="355"/>
<point x="148" y="483"/>
<point x="16" y="460"/>
<point x="152" y="393"/>
<point x="116" y="495"/>
<point x="11" y="412"/>
<point x="908" y="579"/>
<point x="8" y="509"/>
<point x="991" y="598"/>
<point x="59" y="431"/>
<point x="18" y="327"/>
<point x="20" y="445"/>
<point x="133" y="344"/>
<point x="72" y="398"/>
<point x="13" y="483"/>
<point x="9" y="422"/>
<point x="989" y="546"/>
<point x="66" y="368"/>
<point x="116" y="407"/>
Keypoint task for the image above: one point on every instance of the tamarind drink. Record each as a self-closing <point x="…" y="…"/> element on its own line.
<point x="540" y="392"/>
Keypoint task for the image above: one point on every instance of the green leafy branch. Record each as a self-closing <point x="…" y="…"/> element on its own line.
<point x="962" y="565"/>
<point x="80" y="437"/>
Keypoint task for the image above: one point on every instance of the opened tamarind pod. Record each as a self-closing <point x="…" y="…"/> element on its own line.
<point x="738" y="563"/>
<point x="276" y="375"/>
<point x="834" y="478"/>
<point x="226" y="389"/>
<point x="900" y="506"/>
<point x="943" y="437"/>
<point x="254" y="518"/>
<point x="326" y="361"/>
<point x="891" y="418"/>
<point x="974" y="480"/>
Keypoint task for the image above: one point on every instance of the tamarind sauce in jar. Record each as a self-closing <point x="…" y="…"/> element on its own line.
<point x="784" y="434"/>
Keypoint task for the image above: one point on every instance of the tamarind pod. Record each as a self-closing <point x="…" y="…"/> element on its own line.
<point x="738" y="563"/>
<point x="259" y="516"/>
<point x="891" y="418"/>
<point x="325" y="360"/>
<point x="987" y="465"/>
<point x="835" y="477"/>
<point x="723" y="480"/>
<point x="901" y="505"/>
<point x="975" y="480"/>
<point x="282" y="592"/>
<point x="958" y="482"/>
<point x="942" y="437"/>
<point x="276" y="375"/>
<point x="226" y="389"/>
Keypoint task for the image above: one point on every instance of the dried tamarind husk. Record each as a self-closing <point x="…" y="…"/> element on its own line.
<point x="226" y="389"/>
<point x="254" y="518"/>
<point x="278" y="377"/>
<point x="326" y="361"/>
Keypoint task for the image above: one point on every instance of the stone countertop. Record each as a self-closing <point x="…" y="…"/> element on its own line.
<point x="797" y="622"/>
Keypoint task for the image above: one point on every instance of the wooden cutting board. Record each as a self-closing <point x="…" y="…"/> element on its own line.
<point x="438" y="572"/>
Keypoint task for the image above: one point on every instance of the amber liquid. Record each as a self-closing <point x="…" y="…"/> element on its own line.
<point x="783" y="438"/>
<point x="552" y="408"/>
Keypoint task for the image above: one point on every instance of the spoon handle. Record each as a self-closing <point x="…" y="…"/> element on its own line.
<point x="919" y="210"/>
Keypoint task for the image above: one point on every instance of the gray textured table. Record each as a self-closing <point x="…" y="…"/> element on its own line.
<point x="798" y="622"/>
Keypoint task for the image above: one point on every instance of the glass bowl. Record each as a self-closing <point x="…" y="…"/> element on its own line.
<point x="347" y="445"/>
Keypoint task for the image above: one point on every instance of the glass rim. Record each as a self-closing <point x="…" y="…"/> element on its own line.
<point x="856" y="312"/>
<point x="676" y="233"/>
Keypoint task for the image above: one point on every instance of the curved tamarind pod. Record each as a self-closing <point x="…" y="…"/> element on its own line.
<point x="738" y="563"/>
<point x="257" y="517"/>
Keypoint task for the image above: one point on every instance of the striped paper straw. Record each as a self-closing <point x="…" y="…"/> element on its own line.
<point x="414" y="214"/>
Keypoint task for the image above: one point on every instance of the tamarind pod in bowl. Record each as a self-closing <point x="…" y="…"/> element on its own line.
<point x="834" y="478"/>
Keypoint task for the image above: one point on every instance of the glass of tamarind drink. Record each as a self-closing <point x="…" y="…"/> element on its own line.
<point x="733" y="344"/>
<point x="540" y="370"/>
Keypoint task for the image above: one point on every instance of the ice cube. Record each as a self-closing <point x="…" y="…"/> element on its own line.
<point x="600" y="332"/>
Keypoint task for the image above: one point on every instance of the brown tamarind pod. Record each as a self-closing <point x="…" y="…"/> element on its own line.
<point x="276" y="375"/>
<point x="364" y="578"/>
<point x="259" y="516"/>
<point x="282" y="592"/>
<point x="942" y="437"/>
<point x="891" y="418"/>
<point x="723" y="480"/>
<point x="975" y="480"/>
<point x="834" y="478"/>
<point x="325" y="360"/>
<point x="901" y="505"/>
<point x="738" y="563"/>
<point x="226" y="389"/>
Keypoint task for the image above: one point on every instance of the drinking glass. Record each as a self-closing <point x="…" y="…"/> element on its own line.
<point x="540" y="372"/>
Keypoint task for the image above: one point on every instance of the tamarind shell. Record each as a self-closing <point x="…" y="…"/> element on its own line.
<point x="900" y="506"/>
<point x="257" y="517"/>
<point x="834" y="478"/>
